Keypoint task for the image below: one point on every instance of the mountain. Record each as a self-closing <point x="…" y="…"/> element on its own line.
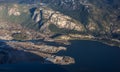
<point x="98" y="17"/>
<point x="58" y="21"/>
<point x="87" y="17"/>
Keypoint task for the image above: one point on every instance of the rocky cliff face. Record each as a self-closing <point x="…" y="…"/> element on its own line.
<point x="101" y="14"/>
<point x="45" y="16"/>
<point x="99" y="18"/>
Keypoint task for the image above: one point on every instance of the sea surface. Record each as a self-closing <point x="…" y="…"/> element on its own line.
<point x="93" y="56"/>
<point x="90" y="56"/>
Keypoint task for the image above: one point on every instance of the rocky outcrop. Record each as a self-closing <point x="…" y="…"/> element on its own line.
<point x="40" y="48"/>
<point x="14" y="11"/>
<point x="37" y="15"/>
<point x="92" y="19"/>
<point x="86" y="17"/>
<point x="15" y="52"/>
<point x="50" y="16"/>
<point x="102" y="16"/>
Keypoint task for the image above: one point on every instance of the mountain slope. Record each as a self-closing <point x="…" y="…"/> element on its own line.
<point x="44" y="27"/>
<point x="98" y="19"/>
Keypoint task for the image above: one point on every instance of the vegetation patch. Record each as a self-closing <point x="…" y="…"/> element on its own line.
<point x="19" y="36"/>
<point x="24" y="18"/>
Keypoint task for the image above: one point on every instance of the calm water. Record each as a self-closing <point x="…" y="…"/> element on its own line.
<point x="90" y="56"/>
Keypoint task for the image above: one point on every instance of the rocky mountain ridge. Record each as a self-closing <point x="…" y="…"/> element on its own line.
<point x="48" y="20"/>
<point x="28" y="26"/>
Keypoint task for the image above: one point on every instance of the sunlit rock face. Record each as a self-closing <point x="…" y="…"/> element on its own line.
<point x="98" y="18"/>
<point x="94" y="16"/>
<point x="56" y="18"/>
<point x="23" y="22"/>
<point x="14" y="11"/>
